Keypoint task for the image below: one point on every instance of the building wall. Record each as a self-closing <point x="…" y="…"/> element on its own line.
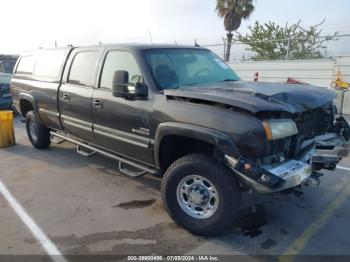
<point x="320" y="72"/>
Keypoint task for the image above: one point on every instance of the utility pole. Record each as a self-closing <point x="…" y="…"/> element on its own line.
<point x="223" y="39"/>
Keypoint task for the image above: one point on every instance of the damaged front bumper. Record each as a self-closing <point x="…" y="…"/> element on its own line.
<point x="330" y="148"/>
<point x="325" y="151"/>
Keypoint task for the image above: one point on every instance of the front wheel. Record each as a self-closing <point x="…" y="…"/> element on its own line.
<point x="38" y="134"/>
<point x="201" y="194"/>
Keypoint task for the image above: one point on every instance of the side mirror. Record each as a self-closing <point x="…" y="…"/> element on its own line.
<point x="122" y="87"/>
<point x="120" y="83"/>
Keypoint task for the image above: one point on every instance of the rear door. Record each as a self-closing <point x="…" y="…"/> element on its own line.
<point x="75" y="95"/>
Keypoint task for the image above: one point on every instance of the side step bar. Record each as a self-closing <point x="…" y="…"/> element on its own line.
<point x="56" y="140"/>
<point x="83" y="152"/>
<point x="145" y="169"/>
<point x="130" y="173"/>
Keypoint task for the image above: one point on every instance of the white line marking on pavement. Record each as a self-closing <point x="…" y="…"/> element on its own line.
<point x="343" y="168"/>
<point x="44" y="241"/>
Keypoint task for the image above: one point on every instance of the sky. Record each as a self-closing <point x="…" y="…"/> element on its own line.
<point x="30" y="24"/>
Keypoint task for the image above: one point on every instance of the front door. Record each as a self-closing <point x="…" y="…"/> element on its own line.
<point x="121" y="125"/>
<point x="76" y="91"/>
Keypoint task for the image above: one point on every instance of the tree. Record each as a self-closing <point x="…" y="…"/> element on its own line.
<point x="270" y="41"/>
<point x="233" y="11"/>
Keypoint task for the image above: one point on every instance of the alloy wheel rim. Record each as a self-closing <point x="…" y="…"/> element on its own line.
<point x="33" y="130"/>
<point x="197" y="196"/>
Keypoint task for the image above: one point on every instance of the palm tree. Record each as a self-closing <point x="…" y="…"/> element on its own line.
<point x="233" y="11"/>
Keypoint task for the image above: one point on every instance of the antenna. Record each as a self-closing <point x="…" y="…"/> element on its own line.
<point x="195" y="43"/>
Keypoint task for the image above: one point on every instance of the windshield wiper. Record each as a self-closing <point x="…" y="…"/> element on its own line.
<point x="190" y="84"/>
<point x="228" y="80"/>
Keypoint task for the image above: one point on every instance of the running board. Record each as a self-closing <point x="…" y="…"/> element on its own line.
<point x="144" y="169"/>
<point x="83" y="152"/>
<point x="56" y="140"/>
<point x="129" y="172"/>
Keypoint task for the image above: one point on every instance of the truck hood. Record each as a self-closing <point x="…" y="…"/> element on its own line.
<point x="258" y="96"/>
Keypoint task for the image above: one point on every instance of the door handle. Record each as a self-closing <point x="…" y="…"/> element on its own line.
<point x="97" y="102"/>
<point x="66" y="97"/>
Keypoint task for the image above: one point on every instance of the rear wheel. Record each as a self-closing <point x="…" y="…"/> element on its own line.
<point x="201" y="194"/>
<point x="38" y="134"/>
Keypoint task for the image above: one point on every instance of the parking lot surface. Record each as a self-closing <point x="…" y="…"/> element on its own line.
<point x="86" y="207"/>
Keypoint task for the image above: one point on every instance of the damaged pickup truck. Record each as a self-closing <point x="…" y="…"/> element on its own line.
<point x="182" y="113"/>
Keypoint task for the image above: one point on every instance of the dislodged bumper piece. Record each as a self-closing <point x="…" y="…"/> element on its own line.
<point x="330" y="148"/>
<point x="326" y="149"/>
<point x="274" y="178"/>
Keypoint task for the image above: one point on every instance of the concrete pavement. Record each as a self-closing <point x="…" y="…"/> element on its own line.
<point x="86" y="207"/>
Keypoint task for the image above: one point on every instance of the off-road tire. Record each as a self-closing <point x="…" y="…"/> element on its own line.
<point x="42" y="140"/>
<point x="221" y="177"/>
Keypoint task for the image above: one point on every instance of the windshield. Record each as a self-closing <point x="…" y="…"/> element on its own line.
<point x="174" y="68"/>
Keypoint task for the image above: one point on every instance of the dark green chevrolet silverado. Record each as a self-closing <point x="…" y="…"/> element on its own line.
<point x="182" y="113"/>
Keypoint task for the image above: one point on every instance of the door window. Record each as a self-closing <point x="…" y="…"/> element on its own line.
<point x="119" y="60"/>
<point x="82" y="70"/>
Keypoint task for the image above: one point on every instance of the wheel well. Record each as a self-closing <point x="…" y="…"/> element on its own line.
<point x="25" y="106"/>
<point x="173" y="147"/>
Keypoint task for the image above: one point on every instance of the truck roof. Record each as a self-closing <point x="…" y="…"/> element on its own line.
<point x="126" y="46"/>
<point x="147" y="46"/>
<point x="140" y="46"/>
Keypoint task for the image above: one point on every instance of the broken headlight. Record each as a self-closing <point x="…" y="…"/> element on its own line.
<point x="279" y="128"/>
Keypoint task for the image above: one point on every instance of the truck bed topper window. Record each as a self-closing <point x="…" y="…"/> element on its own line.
<point x="26" y="65"/>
